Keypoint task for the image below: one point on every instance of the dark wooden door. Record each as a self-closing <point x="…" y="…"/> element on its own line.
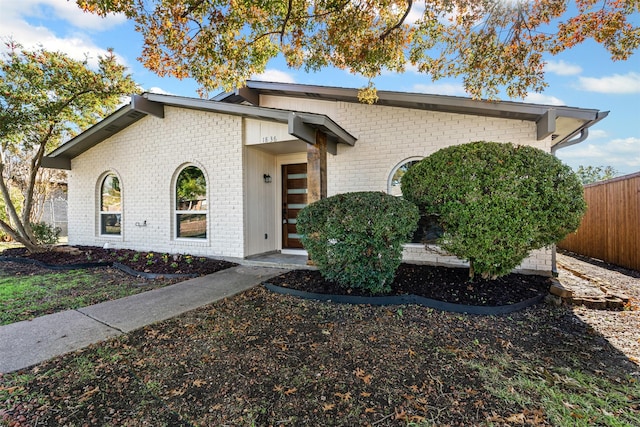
<point x="294" y="198"/>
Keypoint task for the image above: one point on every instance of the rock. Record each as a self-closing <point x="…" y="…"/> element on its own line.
<point x="592" y="303"/>
<point x="558" y="289"/>
<point x="67" y="250"/>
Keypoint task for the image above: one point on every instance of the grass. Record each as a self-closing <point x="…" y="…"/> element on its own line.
<point x="265" y="359"/>
<point x="570" y="396"/>
<point x="24" y="297"/>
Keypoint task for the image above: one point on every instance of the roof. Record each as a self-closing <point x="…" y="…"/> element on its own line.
<point x="561" y="122"/>
<point x="566" y="125"/>
<point x="301" y="125"/>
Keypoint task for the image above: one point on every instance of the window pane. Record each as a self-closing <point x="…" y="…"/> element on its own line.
<point x="191" y="190"/>
<point x="396" y="179"/>
<point x="110" y="201"/>
<point x="192" y="226"/>
<point x="110" y="223"/>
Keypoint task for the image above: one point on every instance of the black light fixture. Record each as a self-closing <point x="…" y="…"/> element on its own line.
<point x="267" y="178"/>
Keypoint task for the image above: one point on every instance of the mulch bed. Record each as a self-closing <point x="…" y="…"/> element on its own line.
<point x="451" y="285"/>
<point x="438" y="283"/>
<point x="146" y="262"/>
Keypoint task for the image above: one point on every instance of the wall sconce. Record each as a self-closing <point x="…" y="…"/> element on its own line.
<point x="267" y="178"/>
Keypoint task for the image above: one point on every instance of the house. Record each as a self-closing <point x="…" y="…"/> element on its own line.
<point x="226" y="177"/>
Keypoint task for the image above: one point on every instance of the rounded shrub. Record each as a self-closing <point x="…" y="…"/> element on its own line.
<point x="496" y="202"/>
<point x="356" y="239"/>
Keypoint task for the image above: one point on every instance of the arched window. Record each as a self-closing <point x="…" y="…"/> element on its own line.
<point x="191" y="204"/>
<point x="396" y="175"/>
<point x="110" y="206"/>
<point x="428" y="230"/>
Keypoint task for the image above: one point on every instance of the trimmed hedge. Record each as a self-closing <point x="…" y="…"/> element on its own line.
<point x="496" y="202"/>
<point x="356" y="239"/>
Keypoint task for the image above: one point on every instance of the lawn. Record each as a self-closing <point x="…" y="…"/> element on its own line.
<point x="261" y="359"/>
<point x="26" y="293"/>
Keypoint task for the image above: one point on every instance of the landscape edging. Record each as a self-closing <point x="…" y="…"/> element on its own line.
<point x="408" y="299"/>
<point x="116" y="265"/>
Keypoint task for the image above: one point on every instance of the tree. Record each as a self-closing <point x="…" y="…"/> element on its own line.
<point x="45" y="98"/>
<point x="496" y="202"/>
<point x="591" y="174"/>
<point x="491" y="43"/>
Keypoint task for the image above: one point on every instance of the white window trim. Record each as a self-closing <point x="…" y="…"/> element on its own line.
<point x="398" y="166"/>
<point x="175" y="212"/>
<point x="114" y="237"/>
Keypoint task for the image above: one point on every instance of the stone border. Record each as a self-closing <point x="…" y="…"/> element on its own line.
<point x="408" y="299"/>
<point x="116" y="265"/>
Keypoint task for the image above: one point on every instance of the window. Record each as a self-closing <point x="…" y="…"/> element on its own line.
<point x="191" y="204"/>
<point x="110" y="206"/>
<point x="428" y="230"/>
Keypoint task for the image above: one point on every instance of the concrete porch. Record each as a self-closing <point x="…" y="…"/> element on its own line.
<point x="278" y="260"/>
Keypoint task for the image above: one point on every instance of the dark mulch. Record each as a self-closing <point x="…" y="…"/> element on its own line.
<point x="147" y="262"/>
<point x="439" y="283"/>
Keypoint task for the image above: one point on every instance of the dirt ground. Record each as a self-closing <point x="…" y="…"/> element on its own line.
<point x="621" y="328"/>
<point x="264" y="359"/>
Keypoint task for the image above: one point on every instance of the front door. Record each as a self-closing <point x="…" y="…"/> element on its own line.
<point x="294" y="198"/>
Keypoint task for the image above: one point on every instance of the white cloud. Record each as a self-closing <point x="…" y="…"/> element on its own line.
<point x="617" y="83"/>
<point x="562" y="68"/>
<point x="539" y="98"/>
<point x="77" y="44"/>
<point x="451" y="89"/>
<point x="623" y="154"/>
<point x="598" y="134"/>
<point x="158" y="90"/>
<point x="273" y="75"/>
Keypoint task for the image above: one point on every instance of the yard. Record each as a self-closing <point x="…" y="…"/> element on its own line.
<point x="265" y="359"/>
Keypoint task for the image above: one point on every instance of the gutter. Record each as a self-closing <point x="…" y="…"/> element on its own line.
<point x="584" y="133"/>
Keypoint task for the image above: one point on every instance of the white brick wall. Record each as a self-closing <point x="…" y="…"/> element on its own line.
<point x="387" y="136"/>
<point x="146" y="156"/>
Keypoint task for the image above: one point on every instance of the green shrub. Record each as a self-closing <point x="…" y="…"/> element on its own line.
<point x="356" y="239"/>
<point x="496" y="202"/>
<point x="45" y="234"/>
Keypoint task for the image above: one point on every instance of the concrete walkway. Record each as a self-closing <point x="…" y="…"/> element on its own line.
<point x="27" y="343"/>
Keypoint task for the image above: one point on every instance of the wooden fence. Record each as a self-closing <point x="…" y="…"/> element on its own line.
<point x="610" y="229"/>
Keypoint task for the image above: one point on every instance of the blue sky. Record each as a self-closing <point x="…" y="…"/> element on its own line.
<point x="582" y="77"/>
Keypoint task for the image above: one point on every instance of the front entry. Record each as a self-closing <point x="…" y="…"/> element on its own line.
<point x="294" y="198"/>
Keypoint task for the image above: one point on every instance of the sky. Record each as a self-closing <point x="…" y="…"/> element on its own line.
<point x="584" y="76"/>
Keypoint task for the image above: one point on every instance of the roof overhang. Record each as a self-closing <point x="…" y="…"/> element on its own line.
<point x="301" y="125"/>
<point x="562" y="123"/>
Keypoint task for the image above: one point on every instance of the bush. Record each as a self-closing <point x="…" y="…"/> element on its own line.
<point x="496" y="202"/>
<point x="45" y="234"/>
<point x="356" y="239"/>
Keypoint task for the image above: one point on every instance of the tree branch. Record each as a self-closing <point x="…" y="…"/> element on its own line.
<point x="399" y="23"/>
<point x="285" y="22"/>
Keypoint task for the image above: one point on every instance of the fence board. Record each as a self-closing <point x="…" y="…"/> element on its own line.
<point x="610" y="230"/>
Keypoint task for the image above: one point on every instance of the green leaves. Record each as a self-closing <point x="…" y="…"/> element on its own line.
<point x="496" y="202"/>
<point x="492" y="44"/>
<point x="356" y="239"/>
<point x="45" y="98"/>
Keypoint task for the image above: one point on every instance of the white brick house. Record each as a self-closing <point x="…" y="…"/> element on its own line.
<point x="262" y="152"/>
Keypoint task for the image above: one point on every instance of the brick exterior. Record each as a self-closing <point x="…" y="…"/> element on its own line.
<point x="147" y="155"/>
<point x="388" y="136"/>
